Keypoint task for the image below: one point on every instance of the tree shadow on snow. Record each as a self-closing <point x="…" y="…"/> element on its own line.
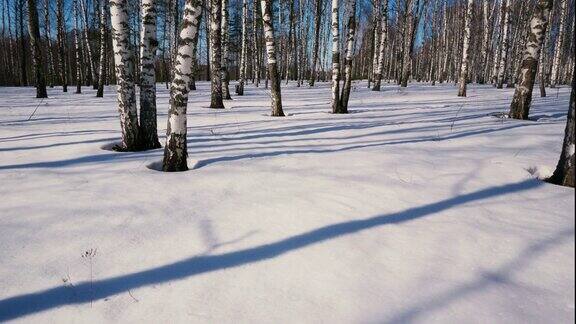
<point x="84" y="292"/>
<point x="503" y="275"/>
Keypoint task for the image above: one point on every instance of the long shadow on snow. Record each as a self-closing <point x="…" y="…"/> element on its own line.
<point x="203" y="163"/>
<point x="22" y="305"/>
<point x="502" y="275"/>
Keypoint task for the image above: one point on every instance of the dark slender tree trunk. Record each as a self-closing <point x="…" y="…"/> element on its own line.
<point x="316" y="42"/>
<point x="62" y="43"/>
<point x="564" y="173"/>
<point x="103" y="48"/>
<point x="36" y="52"/>
<point x="216" y="54"/>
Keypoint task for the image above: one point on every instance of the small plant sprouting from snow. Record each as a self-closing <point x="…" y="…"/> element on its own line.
<point x="89" y="255"/>
<point x="539" y="172"/>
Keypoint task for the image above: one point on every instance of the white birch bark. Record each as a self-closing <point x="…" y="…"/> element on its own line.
<point x="91" y="65"/>
<point x="559" y="45"/>
<point x="77" y="50"/>
<point x="243" y="54"/>
<point x="61" y="34"/>
<point x="465" y="48"/>
<point x="148" y="46"/>
<point x="275" y="93"/>
<point x="216" y="54"/>
<point x="382" y="48"/>
<point x="48" y="37"/>
<point x="176" y="151"/>
<point x="345" y="96"/>
<point x="124" y="68"/>
<point x="485" y="39"/>
<point x="103" y="54"/>
<point x="335" y="57"/>
<point x="504" y="44"/>
<point x="225" y="58"/>
<point x="520" y="106"/>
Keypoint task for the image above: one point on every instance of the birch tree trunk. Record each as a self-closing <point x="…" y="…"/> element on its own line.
<point x="543" y="58"/>
<point x="465" y="47"/>
<point x="564" y="173"/>
<point x="103" y="48"/>
<point x="61" y="33"/>
<point x="351" y="4"/>
<point x="485" y="39"/>
<point x="148" y="46"/>
<point x="335" y="57"/>
<point x="91" y="66"/>
<point x="243" y="54"/>
<point x="520" y="107"/>
<point x="195" y="53"/>
<point x="559" y="45"/>
<point x="410" y="23"/>
<point x="382" y="47"/>
<point x="225" y="59"/>
<point x="48" y="37"/>
<point x="316" y="42"/>
<point x="256" y="53"/>
<point x="374" y="46"/>
<point x="77" y="50"/>
<point x="20" y="7"/>
<point x="271" y="54"/>
<point x="34" y="31"/>
<point x="124" y="67"/>
<point x="504" y="44"/>
<point x="176" y="151"/>
<point x="216" y="54"/>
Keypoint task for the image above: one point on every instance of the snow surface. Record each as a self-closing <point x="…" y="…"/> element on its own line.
<point x="417" y="207"/>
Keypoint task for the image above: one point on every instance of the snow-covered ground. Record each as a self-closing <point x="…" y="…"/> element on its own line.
<point x="416" y="207"/>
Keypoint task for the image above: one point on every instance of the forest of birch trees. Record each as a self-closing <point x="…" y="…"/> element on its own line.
<point x="237" y="44"/>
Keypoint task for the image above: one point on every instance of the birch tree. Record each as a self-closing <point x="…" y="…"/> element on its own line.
<point x="243" y="54"/>
<point x="91" y="67"/>
<point x="271" y="54"/>
<point x="542" y="61"/>
<point x="48" y="40"/>
<point x="504" y="43"/>
<point x="103" y="48"/>
<point x="485" y="38"/>
<point x="176" y="151"/>
<point x="61" y="33"/>
<point x="225" y="60"/>
<point x="316" y="42"/>
<point x="216" y="54"/>
<point x="34" y="31"/>
<point x="255" y="44"/>
<point x="344" y="98"/>
<point x="124" y="68"/>
<point x="148" y="46"/>
<point x="382" y="46"/>
<point x="195" y="52"/>
<point x="559" y="44"/>
<point x="520" y="107"/>
<point x="77" y="50"/>
<point x="465" y="48"/>
<point x="335" y="57"/>
<point x="564" y="172"/>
